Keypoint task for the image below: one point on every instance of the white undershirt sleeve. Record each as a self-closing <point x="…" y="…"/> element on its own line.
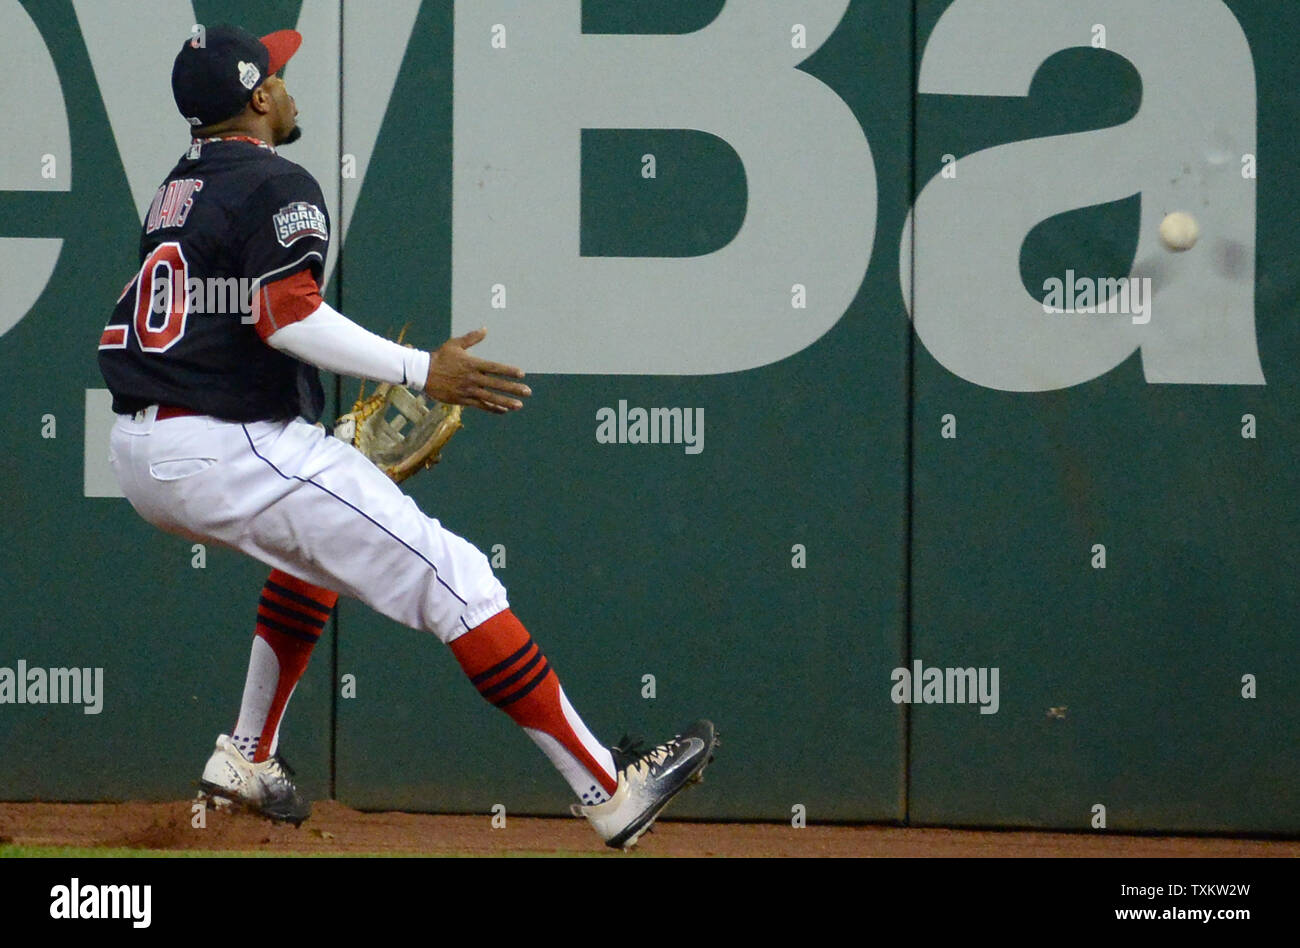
<point x="329" y="340"/>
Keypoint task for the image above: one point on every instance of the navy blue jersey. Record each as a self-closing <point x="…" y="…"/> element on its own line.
<point x="189" y="330"/>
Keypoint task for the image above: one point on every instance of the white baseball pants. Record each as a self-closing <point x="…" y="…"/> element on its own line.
<point x="302" y="501"/>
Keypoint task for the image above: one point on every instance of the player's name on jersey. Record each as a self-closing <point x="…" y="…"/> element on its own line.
<point x="210" y="296"/>
<point x="684" y="426"/>
<point x="172" y="204"/>
<point x="23" y="685"/>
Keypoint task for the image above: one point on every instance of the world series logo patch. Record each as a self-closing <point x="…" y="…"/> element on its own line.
<point x="248" y="75"/>
<point x="299" y="220"/>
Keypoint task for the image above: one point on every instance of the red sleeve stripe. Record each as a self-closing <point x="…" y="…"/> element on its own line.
<point x="285" y="302"/>
<point x="114" y="337"/>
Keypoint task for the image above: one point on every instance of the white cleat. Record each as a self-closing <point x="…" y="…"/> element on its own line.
<point x="647" y="783"/>
<point x="264" y="788"/>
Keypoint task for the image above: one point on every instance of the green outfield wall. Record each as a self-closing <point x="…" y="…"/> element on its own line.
<point x="930" y="553"/>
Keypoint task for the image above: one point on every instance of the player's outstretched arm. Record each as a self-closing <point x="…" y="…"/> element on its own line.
<point x="295" y="320"/>
<point x="459" y="378"/>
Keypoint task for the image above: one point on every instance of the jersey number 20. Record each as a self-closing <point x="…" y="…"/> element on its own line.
<point x="161" y="302"/>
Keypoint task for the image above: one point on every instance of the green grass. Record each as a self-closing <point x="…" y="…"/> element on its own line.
<point x="99" y="852"/>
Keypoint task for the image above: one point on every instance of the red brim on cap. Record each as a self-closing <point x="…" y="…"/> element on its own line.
<point x="282" y="44"/>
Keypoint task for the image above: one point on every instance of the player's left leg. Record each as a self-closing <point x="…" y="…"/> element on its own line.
<point x="509" y="670"/>
<point x="623" y="790"/>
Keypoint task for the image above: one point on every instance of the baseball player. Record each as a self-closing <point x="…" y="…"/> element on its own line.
<point x="214" y="442"/>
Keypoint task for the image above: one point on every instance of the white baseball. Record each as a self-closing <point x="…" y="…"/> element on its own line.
<point x="1179" y="231"/>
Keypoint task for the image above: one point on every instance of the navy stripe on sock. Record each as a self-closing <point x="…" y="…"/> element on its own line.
<point x="299" y="598"/>
<point x="546" y="670"/>
<point x="304" y="480"/>
<point x="287" y="629"/>
<point x="502" y="666"/>
<point x="291" y="613"/>
<point x="507" y="682"/>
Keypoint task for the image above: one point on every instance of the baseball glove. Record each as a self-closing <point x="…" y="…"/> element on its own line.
<point x="400" y="431"/>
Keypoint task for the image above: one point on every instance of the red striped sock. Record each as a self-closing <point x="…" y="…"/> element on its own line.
<point x="291" y="616"/>
<point x="506" y="666"/>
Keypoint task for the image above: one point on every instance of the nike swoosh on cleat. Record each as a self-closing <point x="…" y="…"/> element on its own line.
<point x="695" y="745"/>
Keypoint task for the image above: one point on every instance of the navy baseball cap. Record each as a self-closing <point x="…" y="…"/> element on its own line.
<point x="217" y="70"/>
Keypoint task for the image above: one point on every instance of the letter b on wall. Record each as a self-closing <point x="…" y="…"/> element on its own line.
<point x="518" y="121"/>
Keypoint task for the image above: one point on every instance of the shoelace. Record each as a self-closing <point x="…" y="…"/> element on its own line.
<point x="626" y="751"/>
<point x="645" y="763"/>
<point x="279" y="770"/>
<point x="658" y="757"/>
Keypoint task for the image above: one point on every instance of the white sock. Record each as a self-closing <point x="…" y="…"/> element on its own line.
<point x="587" y="789"/>
<point x="579" y="778"/>
<point x="259" y="690"/>
<point x="245" y="744"/>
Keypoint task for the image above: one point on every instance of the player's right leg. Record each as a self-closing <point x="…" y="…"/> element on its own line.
<point x="246" y="766"/>
<point x="291" y="617"/>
